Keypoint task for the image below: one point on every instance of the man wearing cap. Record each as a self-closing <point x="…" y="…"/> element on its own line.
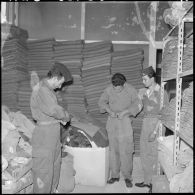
<point x="120" y="100"/>
<point x="46" y="146"/>
<point x="150" y="97"/>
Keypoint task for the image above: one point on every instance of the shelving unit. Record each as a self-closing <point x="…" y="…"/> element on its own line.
<point x="179" y="77"/>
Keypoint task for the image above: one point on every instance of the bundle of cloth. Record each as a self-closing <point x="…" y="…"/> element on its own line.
<point x="182" y="181"/>
<point x="177" y="10"/>
<point x="16" y="154"/>
<point x="83" y="131"/>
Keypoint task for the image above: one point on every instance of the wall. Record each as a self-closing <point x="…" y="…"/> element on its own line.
<point x="51" y="19"/>
<point x="116" y="21"/>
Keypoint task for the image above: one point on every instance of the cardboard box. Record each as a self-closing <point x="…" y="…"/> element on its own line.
<point x="91" y="165"/>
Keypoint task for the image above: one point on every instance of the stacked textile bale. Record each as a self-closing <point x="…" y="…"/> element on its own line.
<point x="169" y="60"/>
<point x="188" y="54"/>
<point x="14" y="70"/>
<point x="168" y="114"/>
<point x="40" y="56"/>
<point x="75" y="97"/>
<point x="129" y="63"/>
<point x="186" y="123"/>
<point x="69" y="53"/>
<point x="96" y="72"/>
<point x="24" y="94"/>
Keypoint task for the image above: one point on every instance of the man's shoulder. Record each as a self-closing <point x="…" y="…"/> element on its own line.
<point x="129" y="86"/>
<point x="109" y="88"/>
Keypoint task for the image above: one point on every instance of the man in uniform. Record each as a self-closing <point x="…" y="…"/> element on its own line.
<point x="150" y="97"/>
<point x="120" y="101"/>
<point x="46" y="146"/>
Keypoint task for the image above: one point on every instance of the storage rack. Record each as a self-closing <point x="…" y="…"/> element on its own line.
<point x="179" y="78"/>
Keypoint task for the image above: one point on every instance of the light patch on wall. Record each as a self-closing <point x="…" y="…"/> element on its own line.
<point x="114" y="32"/>
<point x="135" y="21"/>
<point x="69" y="16"/>
<point x="112" y="19"/>
<point x="127" y="23"/>
<point x="108" y="26"/>
<point x="70" y="26"/>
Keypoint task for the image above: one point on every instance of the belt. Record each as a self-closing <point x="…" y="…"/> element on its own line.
<point x="47" y="122"/>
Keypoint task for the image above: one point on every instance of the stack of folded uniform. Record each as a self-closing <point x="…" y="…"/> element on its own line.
<point x="14" y="70"/>
<point x="188" y="54"/>
<point x="24" y="94"/>
<point x="129" y="63"/>
<point x="169" y="60"/>
<point x="74" y="96"/>
<point x="69" y="53"/>
<point x="186" y="120"/>
<point x="96" y="72"/>
<point x="40" y="56"/>
<point x="168" y="114"/>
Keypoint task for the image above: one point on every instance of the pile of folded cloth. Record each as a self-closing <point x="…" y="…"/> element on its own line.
<point x="96" y="72"/>
<point x="167" y="114"/>
<point x="16" y="154"/>
<point x="169" y="60"/>
<point x="14" y="70"/>
<point x="176" y="11"/>
<point x="40" y="56"/>
<point x="129" y="63"/>
<point x="183" y="180"/>
<point x="10" y="31"/>
<point x="186" y="119"/>
<point x="165" y="155"/>
<point x="24" y="94"/>
<point x="175" y="173"/>
<point x="188" y="54"/>
<point x="88" y="128"/>
<point x="69" y="53"/>
<point x="74" y="96"/>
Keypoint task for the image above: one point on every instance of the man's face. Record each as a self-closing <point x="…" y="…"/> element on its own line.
<point x="57" y="83"/>
<point x="147" y="81"/>
<point x="118" y="88"/>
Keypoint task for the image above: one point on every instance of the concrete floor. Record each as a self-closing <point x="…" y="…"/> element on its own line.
<point x="117" y="187"/>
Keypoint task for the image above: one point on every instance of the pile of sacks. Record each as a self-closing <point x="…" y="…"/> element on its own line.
<point x="16" y="154"/>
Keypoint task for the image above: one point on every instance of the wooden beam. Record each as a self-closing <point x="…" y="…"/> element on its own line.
<point x="83" y="21"/>
<point x="122" y="42"/>
<point x="152" y="49"/>
<point x="16" y="13"/>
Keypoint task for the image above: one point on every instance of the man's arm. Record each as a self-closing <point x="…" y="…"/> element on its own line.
<point x="49" y="106"/>
<point x="136" y="104"/>
<point x="103" y="103"/>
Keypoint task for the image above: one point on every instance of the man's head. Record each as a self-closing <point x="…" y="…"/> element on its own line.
<point x="56" y="76"/>
<point x="148" y="76"/>
<point x="118" y="81"/>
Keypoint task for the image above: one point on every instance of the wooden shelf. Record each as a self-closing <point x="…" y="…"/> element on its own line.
<point x="166" y="125"/>
<point x="183" y="138"/>
<point x="188" y="18"/>
<point x="168" y="79"/>
<point x="186" y="73"/>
